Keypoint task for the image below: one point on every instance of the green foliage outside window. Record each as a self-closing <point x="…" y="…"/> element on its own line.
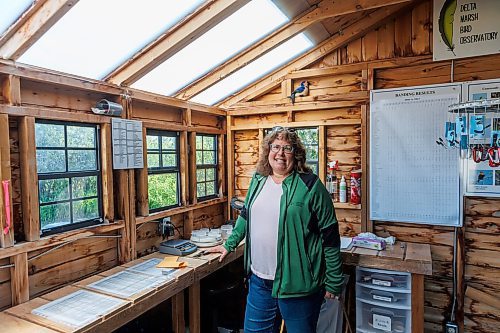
<point x="163" y="169"/>
<point x="206" y="166"/>
<point x="68" y="174"/>
<point x="310" y="139"/>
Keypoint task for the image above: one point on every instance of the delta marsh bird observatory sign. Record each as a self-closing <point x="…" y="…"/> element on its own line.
<point x="465" y="28"/>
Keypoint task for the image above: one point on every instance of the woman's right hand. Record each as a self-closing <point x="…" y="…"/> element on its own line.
<point x="218" y="249"/>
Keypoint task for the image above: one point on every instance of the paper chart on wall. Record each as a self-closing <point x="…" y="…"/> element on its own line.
<point x="412" y="179"/>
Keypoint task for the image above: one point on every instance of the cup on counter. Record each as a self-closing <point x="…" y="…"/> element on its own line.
<point x="226" y="230"/>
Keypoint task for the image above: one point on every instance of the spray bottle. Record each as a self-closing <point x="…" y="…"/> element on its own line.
<point x="343" y="190"/>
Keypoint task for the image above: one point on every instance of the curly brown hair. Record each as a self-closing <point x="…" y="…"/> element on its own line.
<point x="286" y="134"/>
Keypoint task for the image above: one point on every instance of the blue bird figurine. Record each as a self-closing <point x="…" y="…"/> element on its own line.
<point x="302" y="90"/>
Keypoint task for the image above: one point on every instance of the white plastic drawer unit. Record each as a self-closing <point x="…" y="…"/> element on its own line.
<point x="383" y="301"/>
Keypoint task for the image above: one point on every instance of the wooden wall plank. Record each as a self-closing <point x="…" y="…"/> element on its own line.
<point x="6" y="221"/>
<point x="19" y="279"/>
<point x="421" y="28"/>
<point x="141" y="179"/>
<point x="107" y="172"/>
<point x="29" y="185"/>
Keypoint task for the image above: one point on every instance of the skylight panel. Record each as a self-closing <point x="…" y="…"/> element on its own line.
<point x="10" y="11"/>
<point x="250" y="23"/>
<point x="255" y="70"/>
<point x="96" y="36"/>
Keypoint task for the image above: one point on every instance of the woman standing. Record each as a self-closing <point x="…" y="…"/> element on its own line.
<point x="292" y="249"/>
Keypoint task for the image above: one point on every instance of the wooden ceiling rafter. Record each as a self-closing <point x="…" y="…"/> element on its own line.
<point x="175" y="39"/>
<point x="36" y="21"/>
<point x="323" y="10"/>
<point x="368" y="22"/>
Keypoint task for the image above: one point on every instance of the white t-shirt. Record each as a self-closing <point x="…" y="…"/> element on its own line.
<point x="264" y="221"/>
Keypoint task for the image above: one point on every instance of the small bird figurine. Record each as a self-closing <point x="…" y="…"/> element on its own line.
<point x="302" y="90"/>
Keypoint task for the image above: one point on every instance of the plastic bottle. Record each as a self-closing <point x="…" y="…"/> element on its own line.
<point x="329" y="181"/>
<point x="343" y="190"/>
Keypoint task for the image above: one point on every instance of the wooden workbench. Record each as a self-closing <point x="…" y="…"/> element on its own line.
<point x="409" y="257"/>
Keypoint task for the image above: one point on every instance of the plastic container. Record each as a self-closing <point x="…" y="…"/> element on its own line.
<point x="356" y="187"/>
<point x="343" y="190"/>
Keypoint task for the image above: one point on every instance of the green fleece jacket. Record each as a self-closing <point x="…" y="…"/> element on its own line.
<point x="308" y="251"/>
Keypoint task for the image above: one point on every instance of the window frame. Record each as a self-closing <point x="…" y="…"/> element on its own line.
<point x="165" y="170"/>
<point x="203" y="166"/>
<point x="306" y="145"/>
<point x="70" y="175"/>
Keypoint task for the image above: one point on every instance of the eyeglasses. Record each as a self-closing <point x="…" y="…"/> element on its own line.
<point x="288" y="149"/>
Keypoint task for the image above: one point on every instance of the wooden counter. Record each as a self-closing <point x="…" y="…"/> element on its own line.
<point x="409" y="257"/>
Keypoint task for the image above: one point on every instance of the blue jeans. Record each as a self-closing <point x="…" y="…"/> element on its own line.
<point x="264" y="313"/>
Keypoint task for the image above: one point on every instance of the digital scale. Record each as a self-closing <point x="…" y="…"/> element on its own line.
<point x="177" y="247"/>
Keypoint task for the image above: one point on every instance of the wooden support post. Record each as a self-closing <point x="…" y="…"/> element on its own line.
<point x="417" y="303"/>
<point x="230" y="162"/>
<point x="184" y="167"/>
<point x="290" y="116"/>
<point x="141" y="178"/>
<point x="194" y="308"/>
<point x="366" y="223"/>
<point x="132" y="214"/>
<point x="178" y="312"/>
<point x="6" y="222"/>
<point x="188" y="224"/>
<point x="29" y="179"/>
<point x="460" y="271"/>
<point x="322" y="153"/>
<point x="123" y="212"/>
<point x="221" y="169"/>
<point x="193" y="198"/>
<point x="107" y="172"/>
<point x="11" y="90"/>
<point x="19" y="282"/>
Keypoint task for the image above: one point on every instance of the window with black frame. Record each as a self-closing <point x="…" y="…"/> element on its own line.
<point x="163" y="169"/>
<point x="310" y="139"/>
<point x="69" y="176"/>
<point x="206" y="166"/>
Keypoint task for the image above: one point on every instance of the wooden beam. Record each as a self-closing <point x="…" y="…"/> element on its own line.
<point x="6" y="221"/>
<point x="107" y="172"/>
<point x="29" y="179"/>
<point x="12" y="90"/>
<point x="325" y="9"/>
<point x="31" y="26"/>
<point x="176" y="38"/>
<point x="19" y="283"/>
<point x="322" y="153"/>
<point x="194" y="308"/>
<point x="193" y="198"/>
<point x="417" y="303"/>
<point x="141" y="179"/>
<point x="48" y="113"/>
<point x="366" y="223"/>
<point x="339" y="122"/>
<point x="230" y="162"/>
<point x="352" y="32"/>
<point x="178" y="324"/>
<point x="221" y="169"/>
<point x="184" y="171"/>
<point x="301" y="107"/>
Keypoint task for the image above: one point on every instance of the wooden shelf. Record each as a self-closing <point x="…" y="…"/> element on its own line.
<point x="345" y="205"/>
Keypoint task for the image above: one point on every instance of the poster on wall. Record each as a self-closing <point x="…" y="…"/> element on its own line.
<point x="465" y="28"/>
<point x="482" y="173"/>
<point x="127" y="144"/>
<point x="413" y="178"/>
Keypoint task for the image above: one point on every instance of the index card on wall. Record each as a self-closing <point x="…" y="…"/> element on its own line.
<point x="127" y="144"/>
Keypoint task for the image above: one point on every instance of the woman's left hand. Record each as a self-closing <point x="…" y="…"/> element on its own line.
<point x="329" y="295"/>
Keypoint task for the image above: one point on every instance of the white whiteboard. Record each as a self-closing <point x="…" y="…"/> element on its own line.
<point x="412" y="179"/>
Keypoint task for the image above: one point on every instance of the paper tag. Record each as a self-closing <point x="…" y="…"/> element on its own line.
<point x="382" y="322"/>
<point x="382" y="298"/>
<point x="381" y="282"/>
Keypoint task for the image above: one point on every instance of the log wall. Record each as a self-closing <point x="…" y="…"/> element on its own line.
<point x="396" y="54"/>
<point x="31" y="265"/>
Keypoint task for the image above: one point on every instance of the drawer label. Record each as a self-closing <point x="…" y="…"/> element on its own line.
<point x="381" y="282"/>
<point x="382" y="322"/>
<point x="382" y="298"/>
